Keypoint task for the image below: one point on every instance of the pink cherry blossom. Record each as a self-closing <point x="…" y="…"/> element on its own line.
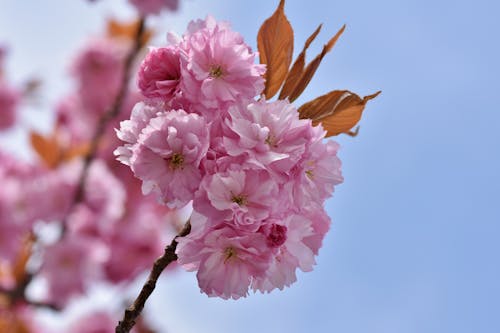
<point x="137" y="240"/>
<point x="218" y="67"/>
<point x="318" y="171"/>
<point x="269" y="133"/>
<point x="160" y="73"/>
<point x="168" y="156"/>
<point x="68" y="266"/>
<point x="291" y="253"/>
<point x="242" y="197"/>
<point x="98" y="69"/>
<point x="227" y="259"/>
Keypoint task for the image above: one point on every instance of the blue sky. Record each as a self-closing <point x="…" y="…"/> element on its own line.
<point x="414" y="242"/>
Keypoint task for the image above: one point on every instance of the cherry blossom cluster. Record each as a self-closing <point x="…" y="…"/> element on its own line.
<point x="256" y="174"/>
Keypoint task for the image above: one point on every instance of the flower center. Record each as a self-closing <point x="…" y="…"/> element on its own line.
<point x="241" y="200"/>
<point x="176" y="161"/>
<point x="271" y="141"/>
<point x="310" y="174"/>
<point x="215" y="71"/>
<point x="229" y="253"/>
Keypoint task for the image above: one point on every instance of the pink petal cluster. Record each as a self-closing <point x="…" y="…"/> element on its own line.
<point x="257" y="175"/>
<point x="98" y="69"/>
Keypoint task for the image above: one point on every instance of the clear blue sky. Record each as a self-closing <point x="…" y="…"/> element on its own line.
<point x="414" y="243"/>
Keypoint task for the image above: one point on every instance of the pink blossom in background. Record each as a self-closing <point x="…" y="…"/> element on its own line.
<point x="138" y="239"/>
<point x="147" y="7"/>
<point x="98" y="70"/>
<point x="68" y="267"/>
<point x="9" y="100"/>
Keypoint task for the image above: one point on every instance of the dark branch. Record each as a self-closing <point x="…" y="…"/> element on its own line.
<point x="133" y="311"/>
<point x="109" y="115"/>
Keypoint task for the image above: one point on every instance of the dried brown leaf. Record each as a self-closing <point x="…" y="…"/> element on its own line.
<point x="127" y="30"/>
<point x="311" y="68"/>
<point x="47" y="149"/>
<point x="52" y="152"/>
<point x="297" y="69"/>
<point x="275" y="44"/>
<point x="338" y="111"/>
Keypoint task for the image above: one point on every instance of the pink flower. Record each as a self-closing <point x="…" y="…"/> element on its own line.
<point x="270" y="134"/>
<point x="218" y="67"/>
<point x="99" y="71"/>
<point x="160" y="73"/>
<point x="318" y="171"/>
<point x="227" y="259"/>
<point x="68" y="265"/>
<point x="291" y="253"/>
<point x="9" y="99"/>
<point x="168" y="156"/>
<point x="147" y="7"/>
<point x="137" y="240"/>
<point x="75" y="122"/>
<point x="242" y="197"/>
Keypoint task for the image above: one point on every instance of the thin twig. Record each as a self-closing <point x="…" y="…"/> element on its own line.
<point x="109" y="115"/>
<point x="133" y="311"/>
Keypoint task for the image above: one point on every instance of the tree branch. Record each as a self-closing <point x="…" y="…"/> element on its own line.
<point x="133" y="311"/>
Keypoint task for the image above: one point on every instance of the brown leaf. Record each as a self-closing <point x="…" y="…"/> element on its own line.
<point x="311" y="68"/>
<point x="47" y="149"/>
<point x="127" y="30"/>
<point x="275" y="44"/>
<point x="53" y="152"/>
<point x="298" y="67"/>
<point x="338" y="111"/>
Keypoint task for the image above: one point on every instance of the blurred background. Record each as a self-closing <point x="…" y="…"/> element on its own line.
<point x="414" y="242"/>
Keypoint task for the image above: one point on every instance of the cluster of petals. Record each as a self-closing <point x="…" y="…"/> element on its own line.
<point x="257" y="175"/>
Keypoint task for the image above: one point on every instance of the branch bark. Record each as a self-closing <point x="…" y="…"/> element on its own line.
<point x="133" y="311"/>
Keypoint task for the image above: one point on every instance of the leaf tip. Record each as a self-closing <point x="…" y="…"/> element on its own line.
<point x="281" y="6"/>
<point x="372" y="96"/>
